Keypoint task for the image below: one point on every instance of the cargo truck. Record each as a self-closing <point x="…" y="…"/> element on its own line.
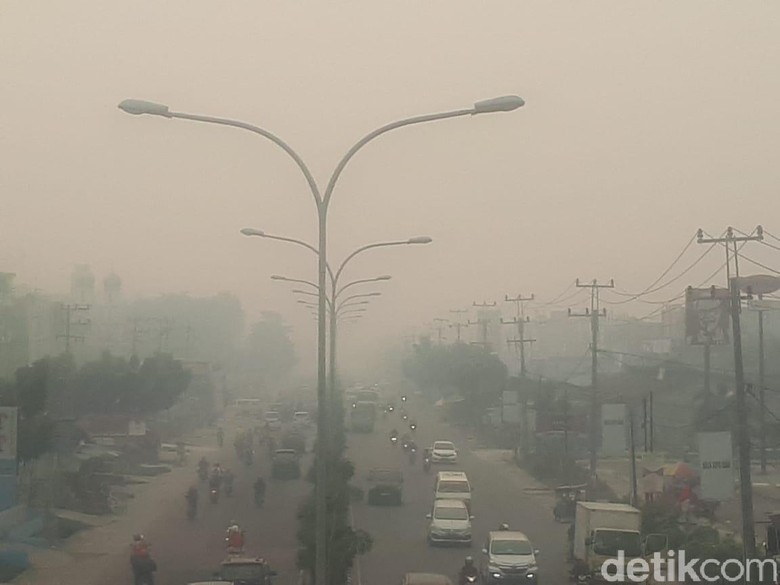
<point x="601" y="531"/>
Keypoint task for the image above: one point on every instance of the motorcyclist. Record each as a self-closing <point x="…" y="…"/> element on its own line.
<point x="141" y="562"/>
<point x="427" y="458"/>
<point x="394" y="433"/>
<point x="192" y="501"/>
<point x="405" y="440"/>
<point x="259" y="488"/>
<point x="227" y="478"/>
<point x="234" y="537"/>
<point x="504" y="526"/>
<point x="413" y="425"/>
<point x="215" y="481"/>
<point x="468" y="572"/>
<point x="203" y="466"/>
<point x="412" y="452"/>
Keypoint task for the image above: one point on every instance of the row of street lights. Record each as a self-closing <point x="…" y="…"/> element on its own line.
<point x="322" y="202"/>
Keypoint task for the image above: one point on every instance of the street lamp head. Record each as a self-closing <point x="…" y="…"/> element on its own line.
<point x="419" y="240"/>
<point x="138" y="107"/>
<point x="384" y="277"/>
<point x="252" y="232"/>
<point x="277" y="277"/>
<point x="505" y="103"/>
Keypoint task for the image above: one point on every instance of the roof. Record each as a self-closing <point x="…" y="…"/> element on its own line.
<point x="244" y="561"/>
<point x="449" y="504"/>
<point x="507" y="535"/>
<point x="608" y="507"/>
<point x="452" y="475"/>
<point x="426" y="579"/>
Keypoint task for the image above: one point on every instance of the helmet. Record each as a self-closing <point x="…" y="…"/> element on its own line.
<point x="138" y="537"/>
<point x="469" y="561"/>
<point x="504" y="526"/>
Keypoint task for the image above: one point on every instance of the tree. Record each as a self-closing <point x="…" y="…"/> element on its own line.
<point x="469" y="371"/>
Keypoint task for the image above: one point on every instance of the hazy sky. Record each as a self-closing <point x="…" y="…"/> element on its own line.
<point x="644" y="121"/>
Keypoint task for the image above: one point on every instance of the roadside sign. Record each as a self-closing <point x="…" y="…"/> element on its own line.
<point x="716" y="462"/>
<point x="613" y="430"/>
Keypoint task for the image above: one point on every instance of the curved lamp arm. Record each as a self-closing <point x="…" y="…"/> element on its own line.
<point x="308" y="246"/>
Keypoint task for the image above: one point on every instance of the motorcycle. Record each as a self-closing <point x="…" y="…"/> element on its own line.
<point x="413" y="427"/>
<point x="412" y="456"/>
<point x="469" y="578"/>
<point x="259" y="498"/>
<point x="143" y="570"/>
<point x="427" y="465"/>
<point x="214" y="495"/>
<point x="229" y="489"/>
<point x="394" y="441"/>
<point x="203" y="473"/>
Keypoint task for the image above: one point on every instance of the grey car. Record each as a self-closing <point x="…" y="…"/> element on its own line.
<point x="509" y="557"/>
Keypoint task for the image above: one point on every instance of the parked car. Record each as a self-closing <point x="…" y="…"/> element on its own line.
<point x="450" y="523"/>
<point x="453" y="485"/>
<point x="245" y="571"/>
<point x="385" y="486"/>
<point x="286" y="464"/>
<point x="444" y="452"/>
<point x="301" y="419"/>
<point x="273" y="420"/>
<point x="294" y="441"/>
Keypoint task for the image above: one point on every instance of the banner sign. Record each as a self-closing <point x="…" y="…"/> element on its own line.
<point x="707" y="316"/>
<point x="547" y="422"/>
<point x="716" y="462"/>
<point x="613" y="430"/>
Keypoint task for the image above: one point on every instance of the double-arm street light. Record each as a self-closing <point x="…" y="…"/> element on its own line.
<point x="322" y="202"/>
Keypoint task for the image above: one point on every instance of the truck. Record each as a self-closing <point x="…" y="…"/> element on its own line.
<point x="601" y="530"/>
<point x="363" y="416"/>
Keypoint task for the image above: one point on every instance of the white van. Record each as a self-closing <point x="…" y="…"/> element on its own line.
<point x="453" y="485"/>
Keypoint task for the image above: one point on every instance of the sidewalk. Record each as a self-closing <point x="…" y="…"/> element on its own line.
<point x="85" y="556"/>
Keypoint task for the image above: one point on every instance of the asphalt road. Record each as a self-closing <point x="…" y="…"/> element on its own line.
<point x="399" y="532"/>
<point x="191" y="550"/>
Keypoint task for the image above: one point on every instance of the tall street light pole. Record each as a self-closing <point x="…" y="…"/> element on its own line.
<point x="334" y="280"/>
<point x="322" y="202"/>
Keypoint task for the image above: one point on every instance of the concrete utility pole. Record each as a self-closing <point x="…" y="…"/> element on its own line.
<point x="729" y="242"/>
<point x="483" y="324"/>
<point x="520" y="320"/>
<point x="594" y="313"/>
<point x="439" y="327"/>
<point x="760" y="307"/>
<point x="743" y="432"/>
<point x="458" y="324"/>
<point x="67" y="336"/>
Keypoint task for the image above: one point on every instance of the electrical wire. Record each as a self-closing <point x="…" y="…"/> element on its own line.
<point x="664" y="273"/>
<point x="757" y="263"/>
<point x="563" y="292"/>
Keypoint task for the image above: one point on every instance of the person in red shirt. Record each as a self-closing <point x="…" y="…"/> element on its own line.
<point x="235" y="538"/>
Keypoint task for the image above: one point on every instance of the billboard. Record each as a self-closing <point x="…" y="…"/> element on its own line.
<point x="8" y="440"/>
<point x="707" y="316"/>
<point x="716" y="465"/>
<point x="613" y="430"/>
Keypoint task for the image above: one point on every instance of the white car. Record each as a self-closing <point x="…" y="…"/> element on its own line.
<point x="301" y="419"/>
<point x="273" y="421"/>
<point x="450" y="522"/>
<point x="444" y="452"/>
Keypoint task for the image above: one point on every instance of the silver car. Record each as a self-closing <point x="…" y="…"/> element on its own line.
<point x="509" y="557"/>
<point x="450" y="523"/>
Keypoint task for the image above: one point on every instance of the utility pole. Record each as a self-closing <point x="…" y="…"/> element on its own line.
<point x="594" y="314"/>
<point x="458" y="324"/>
<point x="634" y="491"/>
<point x="483" y="324"/>
<point x="760" y="307"/>
<point x="729" y="242"/>
<point x="520" y="320"/>
<point x="439" y="327"/>
<point x="70" y="308"/>
<point x="743" y="432"/>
